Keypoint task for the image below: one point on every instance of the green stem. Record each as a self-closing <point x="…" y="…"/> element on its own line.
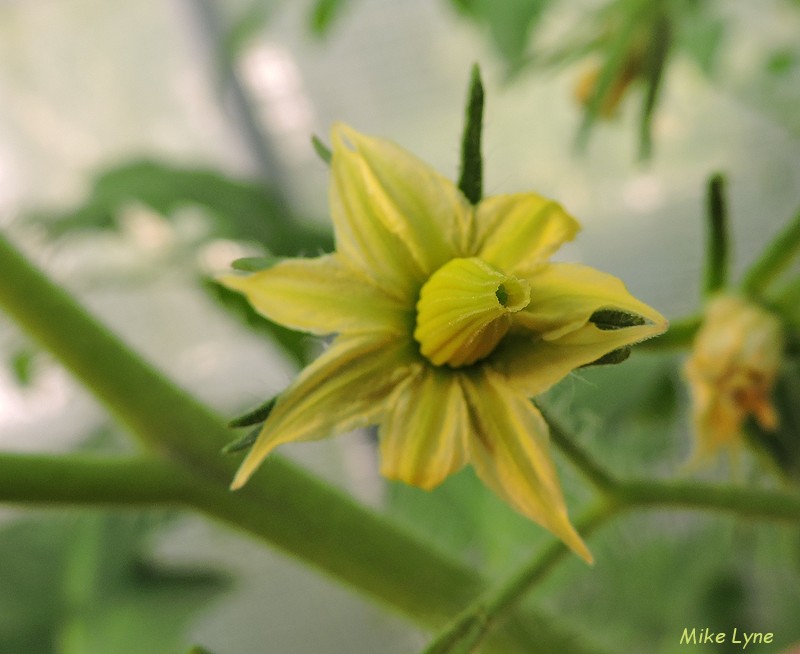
<point x="774" y="259"/>
<point x="282" y="504"/>
<point x="478" y="619"/>
<point x="741" y="501"/>
<point x="716" y="273"/>
<point x="594" y="473"/>
<point x="472" y="625"/>
<point x="102" y="481"/>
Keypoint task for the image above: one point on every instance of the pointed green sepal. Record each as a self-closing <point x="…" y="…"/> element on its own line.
<point x="254" y="264"/>
<point x="716" y="272"/>
<point x="244" y="443"/>
<point x="322" y="150"/>
<point x="470" y="181"/>
<point x="607" y="319"/>
<point x="255" y="416"/>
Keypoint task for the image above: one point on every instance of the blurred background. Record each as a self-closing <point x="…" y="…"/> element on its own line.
<point x="145" y="146"/>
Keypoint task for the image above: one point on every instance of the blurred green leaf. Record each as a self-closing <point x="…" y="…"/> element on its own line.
<point x="244" y="28"/>
<point x="701" y="33"/>
<point x="82" y="585"/>
<point x="510" y="22"/>
<point x="782" y="61"/>
<point x="323" y="14"/>
<point x="239" y="209"/>
<point x="782" y="445"/>
<point x="22" y="363"/>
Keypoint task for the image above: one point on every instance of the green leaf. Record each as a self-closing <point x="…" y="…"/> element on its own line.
<point x="84" y="584"/>
<point x="323" y="14"/>
<point x="660" y="44"/>
<point x="239" y="209"/>
<point x="700" y="35"/>
<point x="510" y="23"/>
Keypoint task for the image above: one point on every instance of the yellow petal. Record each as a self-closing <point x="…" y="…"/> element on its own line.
<point x="422" y="436"/>
<point x="509" y="449"/>
<point x="516" y="233"/>
<point x="565" y="295"/>
<point x="345" y="388"/>
<point x="393" y="215"/>
<point x="321" y="296"/>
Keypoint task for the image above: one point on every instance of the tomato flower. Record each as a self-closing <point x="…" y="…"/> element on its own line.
<point x="448" y="318"/>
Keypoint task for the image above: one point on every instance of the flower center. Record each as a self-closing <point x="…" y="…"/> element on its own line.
<point x="464" y="310"/>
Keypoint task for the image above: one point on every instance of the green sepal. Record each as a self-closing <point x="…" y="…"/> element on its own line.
<point x="615" y="356"/>
<point x="244" y="443"/>
<point x="322" y="150"/>
<point x="470" y="181"/>
<point x="255" y="264"/>
<point x="608" y="319"/>
<point x="254" y="416"/>
<point x="716" y="271"/>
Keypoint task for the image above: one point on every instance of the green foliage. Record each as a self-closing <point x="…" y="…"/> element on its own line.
<point x="23" y="364"/>
<point x="239" y="209"/>
<point x="81" y="585"/>
<point x="510" y="23"/>
<point x="782" y="446"/>
<point x="323" y="14"/>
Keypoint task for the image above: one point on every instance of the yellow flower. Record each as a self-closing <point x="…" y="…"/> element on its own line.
<point x="448" y="319"/>
<point x="734" y="363"/>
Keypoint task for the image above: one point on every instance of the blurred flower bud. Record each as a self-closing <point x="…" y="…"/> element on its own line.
<point x="732" y="370"/>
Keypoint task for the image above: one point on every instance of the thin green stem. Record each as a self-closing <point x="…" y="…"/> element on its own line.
<point x="594" y="473"/>
<point x="741" y="501"/>
<point x="774" y="259"/>
<point x="716" y="272"/>
<point x="473" y="624"/>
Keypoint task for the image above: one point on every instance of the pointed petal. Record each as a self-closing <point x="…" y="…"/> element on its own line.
<point x="509" y="449"/>
<point x="393" y="215"/>
<point x="565" y="295"/>
<point x="422" y="436"/>
<point x="345" y="388"/>
<point x="321" y="296"/>
<point x="518" y="232"/>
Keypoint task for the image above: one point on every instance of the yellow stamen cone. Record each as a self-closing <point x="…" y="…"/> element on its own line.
<point x="464" y="310"/>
